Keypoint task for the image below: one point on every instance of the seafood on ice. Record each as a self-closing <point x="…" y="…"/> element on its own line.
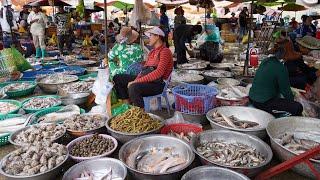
<point x="184" y="136"/>
<point x="84" y="122"/>
<point x="230" y="154"/>
<point x="156" y="160"/>
<point x="232" y="121"/>
<point x="58" y="78"/>
<point x="299" y="142"/>
<point x="39" y="133"/>
<point x="41" y="102"/>
<point x="60" y="115"/>
<point x="34" y="159"/>
<point x="101" y="174"/>
<point x="6" y="107"/>
<point x="17" y="87"/>
<point x="77" y="87"/>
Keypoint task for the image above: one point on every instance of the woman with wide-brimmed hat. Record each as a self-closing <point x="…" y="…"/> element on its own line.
<point x="271" y="89"/>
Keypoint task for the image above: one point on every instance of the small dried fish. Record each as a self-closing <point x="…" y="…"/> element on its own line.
<point x="6" y="107"/>
<point x="159" y="161"/>
<point x="103" y="174"/>
<point x="184" y="136"/>
<point x="84" y="122"/>
<point x="232" y="92"/>
<point x="77" y="87"/>
<point x="57" y="78"/>
<point x="231" y="154"/>
<point x="232" y="121"/>
<point x="41" y="102"/>
<point x="299" y="142"/>
<point x="17" y="86"/>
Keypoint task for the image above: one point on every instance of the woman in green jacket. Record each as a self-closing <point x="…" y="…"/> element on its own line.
<point x="270" y="89"/>
<point x="125" y="52"/>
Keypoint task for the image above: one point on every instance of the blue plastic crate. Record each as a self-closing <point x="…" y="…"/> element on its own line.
<point x="77" y="70"/>
<point x="194" y="99"/>
<point x="32" y="75"/>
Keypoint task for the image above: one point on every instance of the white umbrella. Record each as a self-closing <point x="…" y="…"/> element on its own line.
<point x="140" y="14"/>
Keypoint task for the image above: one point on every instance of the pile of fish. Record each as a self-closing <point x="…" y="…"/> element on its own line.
<point x="39" y="133"/>
<point x="60" y="115"/>
<point x="184" y="76"/>
<point x="84" y="122"/>
<point x="6" y="107"/>
<point x="17" y="87"/>
<point x="193" y="66"/>
<point x="184" y="136"/>
<point x="12" y="124"/>
<point x="41" y="102"/>
<point x="156" y="161"/>
<point x="69" y="72"/>
<point x="232" y="92"/>
<point x="232" y="121"/>
<point x="230" y="154"/>
<point x="134" y="120"/>
<point x="77" y="87"/>
<point x="92" y="146"/>
<point x="217" y="73"/>
<point x="57" y="78"/>
<point x="105" y="174"/>
<point x="299" y="142"/>
<point x="35" y="159"/>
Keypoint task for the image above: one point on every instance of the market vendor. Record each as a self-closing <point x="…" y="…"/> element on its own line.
<point x="300" y="74"/>
<point x="38" y="22"/>
<point x="157" y="68"/>
<point x="271" y="82"/>
<point x="62" y="20"/>
<point x="8" y="25"/>
<point x="125" y="52"/>
<point x="184" y="34"/>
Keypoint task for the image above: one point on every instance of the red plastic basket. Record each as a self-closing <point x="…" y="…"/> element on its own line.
<point x="181" y="127"/>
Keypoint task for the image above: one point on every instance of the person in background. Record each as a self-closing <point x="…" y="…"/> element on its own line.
<point x="271" y="82"/>
<point x="117" y="25"/>
<point x="243" y="16"/>
<point x="164" y="23"/>
<point x="184" y="34"/>
<point x="125" y="52"/>
<point x="294" y="24"/>
<point x="233" y="21"/>
<point x="38" y="24"/>
<point x="24" y="14"/>
<point x="281" y="24"/>
<point x="315" y="24"/>
<point x="62" y="21"/>
<point x="179" y="19"/>
<point x="157" y="69"/>
<point x="305" y="28"/>
<point x="97" y="37"/>
<point x="8" y="25"/>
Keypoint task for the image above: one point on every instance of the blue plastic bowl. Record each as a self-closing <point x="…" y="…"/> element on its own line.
<point x="32" y="75"/>
<point x="78" y="70"/>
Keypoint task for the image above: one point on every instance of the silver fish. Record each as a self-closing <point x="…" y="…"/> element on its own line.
<point x="232" y="121"/>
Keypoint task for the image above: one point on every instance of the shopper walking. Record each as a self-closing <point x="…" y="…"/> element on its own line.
<point x="62" y="21"/>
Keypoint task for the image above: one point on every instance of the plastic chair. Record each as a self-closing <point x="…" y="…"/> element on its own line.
<point x="164" y="94"/>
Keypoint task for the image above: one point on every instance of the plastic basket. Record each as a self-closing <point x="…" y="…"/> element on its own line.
<point x="41" y="113"/>
<point x="24" y="92"/>
<point x="181" y="128"/>
<point x="77" y="70"/>
<point x="32" y="75"/>
<point x="194" y="99"/>
<point x="4" y="139"/>
<point x="15" y="102"/>
<point x="27" y="110"/>
<point x="91" y="75"/>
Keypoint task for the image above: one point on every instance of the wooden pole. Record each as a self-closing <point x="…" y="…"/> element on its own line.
<point x="108" y="100"/>
<point x="246" y="63"/>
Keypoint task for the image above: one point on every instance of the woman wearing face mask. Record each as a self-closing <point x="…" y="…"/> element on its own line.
<point x="270" y="89"/>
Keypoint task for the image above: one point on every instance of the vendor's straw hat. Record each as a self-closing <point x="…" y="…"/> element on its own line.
<point x="309" y="42"/>
<point x="128" y="35"/>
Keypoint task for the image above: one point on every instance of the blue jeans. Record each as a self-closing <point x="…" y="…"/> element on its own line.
<point x="243" y="31"/>
<point x="8" y="41"/>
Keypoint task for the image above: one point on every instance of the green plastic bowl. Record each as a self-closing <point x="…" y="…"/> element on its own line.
<point x="41" y="113"/>
<point x="15" y="102"/>
<point x="27" y="110"/>
<point x="24" y="92"/>
<point x="4" y="139"/>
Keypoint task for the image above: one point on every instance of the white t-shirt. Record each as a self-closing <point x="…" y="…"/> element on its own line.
<point x="37" y="28"/>
<point x="4" y="23"/>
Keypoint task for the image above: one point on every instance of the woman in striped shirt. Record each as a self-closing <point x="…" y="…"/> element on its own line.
<point x="150" y="81"/>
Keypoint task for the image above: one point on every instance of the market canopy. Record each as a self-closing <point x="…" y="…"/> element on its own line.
<point x="123" y="4"/>
<point x="49" y="3"/>
<point x="293" y="7"/>
<point x="172" y="2"/>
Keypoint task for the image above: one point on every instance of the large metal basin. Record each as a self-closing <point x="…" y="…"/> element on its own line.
<point x="208" y="172"/>
<point x="291" y="124"/>
<point x="118" y="168"/>
<point x="157" y="141"/>
<point x="243" y="113"/>
<point x="234" y="137"/>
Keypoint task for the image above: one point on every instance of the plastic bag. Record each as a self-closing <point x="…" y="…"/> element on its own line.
<point x="177" y="118"/>
<point x="14" y="60"/>
<point x="119" y="109"/>
<point x="202" y="39"/>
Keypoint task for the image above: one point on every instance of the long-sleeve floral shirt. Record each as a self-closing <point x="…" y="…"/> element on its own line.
<point x="122" y="56"/>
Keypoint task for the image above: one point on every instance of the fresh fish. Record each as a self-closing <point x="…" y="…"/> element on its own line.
<point x="6" y="107"/>
<point x="231" y="154"/>
<point x="184" y="136"/>
<point x="17" y="86"/>
<point x="232" y="121"/>
<point x="41" y="102"/>
<point x="12" y="121"/>
<point x="11" y="129"/>
<point x="60" y="115"/>
<point x="131" y="159"/>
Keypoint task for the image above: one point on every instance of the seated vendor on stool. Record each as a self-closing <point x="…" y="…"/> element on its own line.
<point x="156" y="70"/>
<point x="271" y="82"/>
